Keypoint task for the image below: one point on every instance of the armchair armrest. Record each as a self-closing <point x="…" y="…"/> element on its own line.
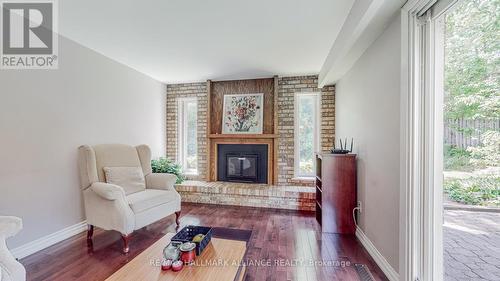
<point x="161" y="181"/>
<point x="108" y="191"/>
<point x="10" y="226"/>
<point x="107" y="207"/>
<point x="10" y="269"/>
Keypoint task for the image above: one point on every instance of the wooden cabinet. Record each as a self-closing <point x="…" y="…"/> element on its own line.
<point x="336" y="192"/>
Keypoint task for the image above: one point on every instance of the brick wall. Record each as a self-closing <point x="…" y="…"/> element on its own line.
<point x="175" y="91"/>
<point x="327" y="117"/>
<point x="287" y="87"/>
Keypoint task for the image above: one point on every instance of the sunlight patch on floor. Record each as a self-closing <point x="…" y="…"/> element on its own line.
<point x="464" y="228"/>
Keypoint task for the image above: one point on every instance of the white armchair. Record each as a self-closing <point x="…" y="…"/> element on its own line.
<point x="10" y="268"/>
<point x="114" y="203"/>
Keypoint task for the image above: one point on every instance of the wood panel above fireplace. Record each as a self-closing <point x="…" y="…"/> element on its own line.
<point x="216" y="91"/>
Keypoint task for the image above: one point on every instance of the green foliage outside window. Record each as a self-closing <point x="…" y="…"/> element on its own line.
<point x="192" y="143"/>
<point x="306" y="134"/>
<point x="472" y="61"/>
<point x="472" y="91"/>
<point x="475" y="190"/>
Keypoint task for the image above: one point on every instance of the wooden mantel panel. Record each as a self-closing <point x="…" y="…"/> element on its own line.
<point x="220" y="88"/>
<point x="216" y="91"/>
<point x="243" y="136"/>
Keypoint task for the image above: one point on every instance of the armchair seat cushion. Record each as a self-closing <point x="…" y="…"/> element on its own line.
<point x="150" y="198"/>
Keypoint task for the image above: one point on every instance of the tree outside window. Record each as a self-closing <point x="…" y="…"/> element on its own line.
<point x="188" y="135"/>
<point x="306" y="133"/>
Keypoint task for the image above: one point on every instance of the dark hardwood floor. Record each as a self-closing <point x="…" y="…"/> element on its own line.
<point x="277" y="235"/>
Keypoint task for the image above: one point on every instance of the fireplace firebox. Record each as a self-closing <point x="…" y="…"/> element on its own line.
<point x="242" y="163"/>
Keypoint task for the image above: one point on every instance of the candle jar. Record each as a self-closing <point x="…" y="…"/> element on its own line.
<point x="177" y="265"/>
<point x="188" y="252"/>
<point x="166" y="264"/>
<point x="171" y="252"/>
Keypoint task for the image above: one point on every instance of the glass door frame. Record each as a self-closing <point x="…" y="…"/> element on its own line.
<point x="422" y="88"/>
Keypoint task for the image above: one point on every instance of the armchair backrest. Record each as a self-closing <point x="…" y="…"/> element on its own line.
<point x="92" y="160"/>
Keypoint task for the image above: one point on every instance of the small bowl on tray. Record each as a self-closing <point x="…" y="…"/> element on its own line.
<point x="203" y="236"/>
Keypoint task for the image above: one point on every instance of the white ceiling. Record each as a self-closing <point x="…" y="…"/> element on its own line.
<point x="187" y="40"/>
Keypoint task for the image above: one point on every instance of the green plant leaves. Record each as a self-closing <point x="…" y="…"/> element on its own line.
<point x="482" y="190"/>
<point x="472" y="61"/>
<point x="165" y="165"/>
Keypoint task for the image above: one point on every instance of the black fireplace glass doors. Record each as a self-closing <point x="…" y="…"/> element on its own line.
<point x="242" y="166"/>
<point x="242" y="163"/>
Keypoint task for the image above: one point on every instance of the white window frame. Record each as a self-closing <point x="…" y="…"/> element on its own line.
<point x="421" y="164"/>
<point x="182" y="134"/>
<point x="317" y="132"/>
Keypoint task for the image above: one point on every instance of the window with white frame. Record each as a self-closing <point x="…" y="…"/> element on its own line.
<point x="187" y="135"/>
<point x="307" y="132"/>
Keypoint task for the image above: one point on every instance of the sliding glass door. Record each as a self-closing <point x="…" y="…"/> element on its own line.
<point x="450" y="72"/>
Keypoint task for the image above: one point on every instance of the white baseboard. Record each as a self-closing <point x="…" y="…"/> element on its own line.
<point x="389" y="272"/>
<point x="48" y="240"/>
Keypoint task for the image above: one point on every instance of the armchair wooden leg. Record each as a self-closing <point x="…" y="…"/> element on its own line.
<point x="90" y="232"/>
<point x="126" y="239"/>
<point x="177" y="215"/>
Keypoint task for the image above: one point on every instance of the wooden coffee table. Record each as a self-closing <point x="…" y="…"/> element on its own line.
<point x="146" y="265"/>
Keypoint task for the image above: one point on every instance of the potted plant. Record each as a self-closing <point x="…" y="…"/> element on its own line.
<point x="165" y="165"/>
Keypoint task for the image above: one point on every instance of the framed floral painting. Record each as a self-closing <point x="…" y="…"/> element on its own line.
<point x="242" y="114"/>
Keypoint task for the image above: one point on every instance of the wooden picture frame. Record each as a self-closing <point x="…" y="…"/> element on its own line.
<point x="243" y="113"/>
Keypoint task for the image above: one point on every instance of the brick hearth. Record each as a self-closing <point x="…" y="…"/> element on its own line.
<point x="253" y="195"/>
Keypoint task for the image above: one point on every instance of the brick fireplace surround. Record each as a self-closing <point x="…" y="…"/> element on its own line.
<point x="288" y="193"/>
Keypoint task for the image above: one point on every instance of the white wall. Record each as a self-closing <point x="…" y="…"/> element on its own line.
<point x="46" y="114"/>
<point x="367" y="108"/>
